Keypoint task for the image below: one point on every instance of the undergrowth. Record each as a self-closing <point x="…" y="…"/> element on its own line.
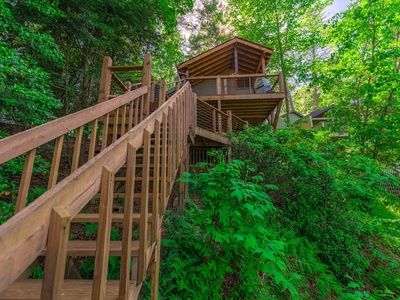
<point x="293" y="216"/>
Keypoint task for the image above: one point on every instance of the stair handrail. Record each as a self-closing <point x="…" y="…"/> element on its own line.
<point x="20" y="143"/>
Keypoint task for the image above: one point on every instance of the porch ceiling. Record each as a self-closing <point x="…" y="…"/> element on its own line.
<point x="222" y="58"/>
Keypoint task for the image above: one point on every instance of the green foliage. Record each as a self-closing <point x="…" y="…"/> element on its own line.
<point x="366" y="37"/>
<point x="328" y="196"/>
<point x="222" y="248"/>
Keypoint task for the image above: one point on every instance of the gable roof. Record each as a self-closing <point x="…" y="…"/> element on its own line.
<point x="221" y="58"/>
<point x="320" y="113"/>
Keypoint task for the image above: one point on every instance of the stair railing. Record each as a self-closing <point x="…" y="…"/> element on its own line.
<point x="94" y="120"/>
<point x="44" y="225"/>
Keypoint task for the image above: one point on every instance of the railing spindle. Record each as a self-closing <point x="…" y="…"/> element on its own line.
<point x="55" y="163"/>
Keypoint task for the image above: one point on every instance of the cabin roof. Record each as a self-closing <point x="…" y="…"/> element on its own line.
<point x="222" y="58"/>
<point x="320" y="113"/>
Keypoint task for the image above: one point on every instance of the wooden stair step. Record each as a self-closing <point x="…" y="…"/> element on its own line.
<point x="116" y="218"/>
<point x="72" y="290"/>
<point x="88" y="248"/>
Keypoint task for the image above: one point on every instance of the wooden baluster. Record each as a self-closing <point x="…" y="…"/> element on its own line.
<point x="124" y="282"/>
<point x="123" y="121"/>
<point x="103" y="235"/>
<point x="130" y="120"/>
<point x="164" y="164"/>
<point x="55" y="163"/>
<point x="174" y="137"/>
<point x="25" y="180"/>
<point x="56" y="255"/>
<point x="170" y="150"/>
<point x="155" y="230"/>
<point x="77" y="149"/>
<point x="115" y="125"/>
<point x="142" y="110"/>
<point x="156" y="181"/>
<point x="144" y="208"/>
<point x="162" y="91"/>
<point x="178" y="128"/>
<point x="93" y="139"/>
<point x="136" y="118"/>
<point x="105" y="131"/>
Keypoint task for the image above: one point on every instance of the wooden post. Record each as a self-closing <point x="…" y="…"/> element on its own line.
<point x="105" y="80"/>
<point x="123" y="120"/>
<point x="146" y="81"/>
<point x="229" y="120"/>
<point x="163" y="193"/>
<point x="177" y="84"/>
<point x="124" y="282"/>
<point x="162" y="91"/>
<point x="25" y="180"/>
<point x="144" y="208"/>
<point x="263" y="63"/>
<point x="106" y="119"/>
<point x="218" y="83"/>
<point x="155" y="231"/>
<point x="219" y="117"/>
<point x="103" y="235"/>
<point x="214" y="121"/>
<point x="56" y="254"/>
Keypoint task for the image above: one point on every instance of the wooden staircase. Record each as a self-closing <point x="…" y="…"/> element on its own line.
<point x="142" y="152"/>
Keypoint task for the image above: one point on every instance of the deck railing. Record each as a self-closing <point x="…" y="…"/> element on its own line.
<point x="216" y="121"/>
<point x="234" y="84"/>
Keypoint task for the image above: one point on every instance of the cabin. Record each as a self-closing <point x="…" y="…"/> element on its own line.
<point x="232" y="77"/>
